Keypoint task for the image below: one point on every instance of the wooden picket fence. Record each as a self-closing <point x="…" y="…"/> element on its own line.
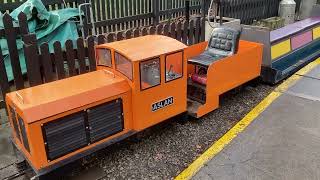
<point x="187" y="32"/>
<point x="10" y="33"/>
<point x="120" y="15"/>
<point x="44" y="66"/>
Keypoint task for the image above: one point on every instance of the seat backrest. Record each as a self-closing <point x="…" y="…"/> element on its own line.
<point x="224" y="41"/>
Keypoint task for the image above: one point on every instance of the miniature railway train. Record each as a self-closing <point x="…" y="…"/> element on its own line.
<point x="139" y="83"/>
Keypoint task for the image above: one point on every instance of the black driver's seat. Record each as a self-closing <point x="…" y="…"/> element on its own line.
<point x="223" y="42"/>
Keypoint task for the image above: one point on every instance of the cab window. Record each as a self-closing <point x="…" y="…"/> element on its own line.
<point x="103" y="57"/>
<point x="123" y="65"/>
<point x="150" y="73"/>
<point x="174" y="66"/>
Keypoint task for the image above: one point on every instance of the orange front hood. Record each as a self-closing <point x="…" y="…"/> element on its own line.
<point x="53" y="98"/>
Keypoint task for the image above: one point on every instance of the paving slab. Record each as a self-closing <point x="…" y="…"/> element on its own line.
<point x="283" y="142"/>
<point x="306" y="88"/>
<point x="3" y="116"/>
<point x="7" y="156"/>
<point x="6" y="150"/>
<point x="314" y="73"/>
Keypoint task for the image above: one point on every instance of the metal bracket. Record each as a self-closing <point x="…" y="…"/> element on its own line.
<point x="20" y="97"/>
<point x="109" y="72"/>
<point x="2" y="104"/>
<point x="91" y="18"/>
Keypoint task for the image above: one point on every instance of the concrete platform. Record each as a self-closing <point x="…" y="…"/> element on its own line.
<point x="7" y="156"/>
<point x="282" y="142"/>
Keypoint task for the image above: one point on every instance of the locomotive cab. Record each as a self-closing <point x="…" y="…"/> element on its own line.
<point x="155" y="67"/>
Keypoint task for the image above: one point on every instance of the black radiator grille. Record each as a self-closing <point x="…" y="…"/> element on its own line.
<point x="105" y="120"/>
<point x="65" y="135"/>
<point x="24" y="134"/>
<point x="14" y="123"/>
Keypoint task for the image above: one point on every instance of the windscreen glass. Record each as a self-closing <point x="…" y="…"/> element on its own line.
<point x="123" y="65"/>
<point x="174" y="66"/>
<point x="104" y="57"/>
<point x="150" y="73"/>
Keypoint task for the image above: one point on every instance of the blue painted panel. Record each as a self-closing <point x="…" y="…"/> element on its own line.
<point x="292" y="62"/>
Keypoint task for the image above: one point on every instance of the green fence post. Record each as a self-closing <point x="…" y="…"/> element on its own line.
<point x="187" y="10"/>
<point x="155" y="12"/>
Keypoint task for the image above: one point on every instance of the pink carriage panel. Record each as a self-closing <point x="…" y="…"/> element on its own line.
<point x="301" y="40"/>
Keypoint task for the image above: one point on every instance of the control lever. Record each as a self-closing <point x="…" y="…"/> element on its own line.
<point x="170" y="73"/>
<point x="19" y="96"/>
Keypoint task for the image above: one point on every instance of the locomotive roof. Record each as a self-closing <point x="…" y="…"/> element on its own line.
<point x="145" y="47"/>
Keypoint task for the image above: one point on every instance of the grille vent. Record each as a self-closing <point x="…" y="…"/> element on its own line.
<point x="15" y="123"/>
<point x="105" y="120"/>
<point x="23" y="134"/>
<point x="70" y="133"/>
<point x="65" y="135"/>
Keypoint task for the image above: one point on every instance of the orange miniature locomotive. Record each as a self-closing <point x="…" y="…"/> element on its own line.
<point x="140" y="82"/>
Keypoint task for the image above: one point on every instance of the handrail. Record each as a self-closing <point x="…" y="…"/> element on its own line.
<point x="20" y="97"/>
<point x="109" y="72"/>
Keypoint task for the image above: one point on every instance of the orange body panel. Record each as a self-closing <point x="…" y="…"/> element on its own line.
<point x="142" y="100"/>
<point x="194" y="50"/>
<point x="228" y="73"/>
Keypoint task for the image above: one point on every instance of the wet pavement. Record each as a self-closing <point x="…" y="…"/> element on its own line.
<point x="7" y="157"/>
<point x="3" y="116"/>
<point x="283" y="142"/>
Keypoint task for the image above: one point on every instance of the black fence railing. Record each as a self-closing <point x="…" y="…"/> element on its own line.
<point x="248" y="10"/>
<point x="120" y="15"/>
<point x="10" y="5"/>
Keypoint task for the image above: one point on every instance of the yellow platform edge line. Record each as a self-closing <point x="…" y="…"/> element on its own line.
<point x="190" y="171"/>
